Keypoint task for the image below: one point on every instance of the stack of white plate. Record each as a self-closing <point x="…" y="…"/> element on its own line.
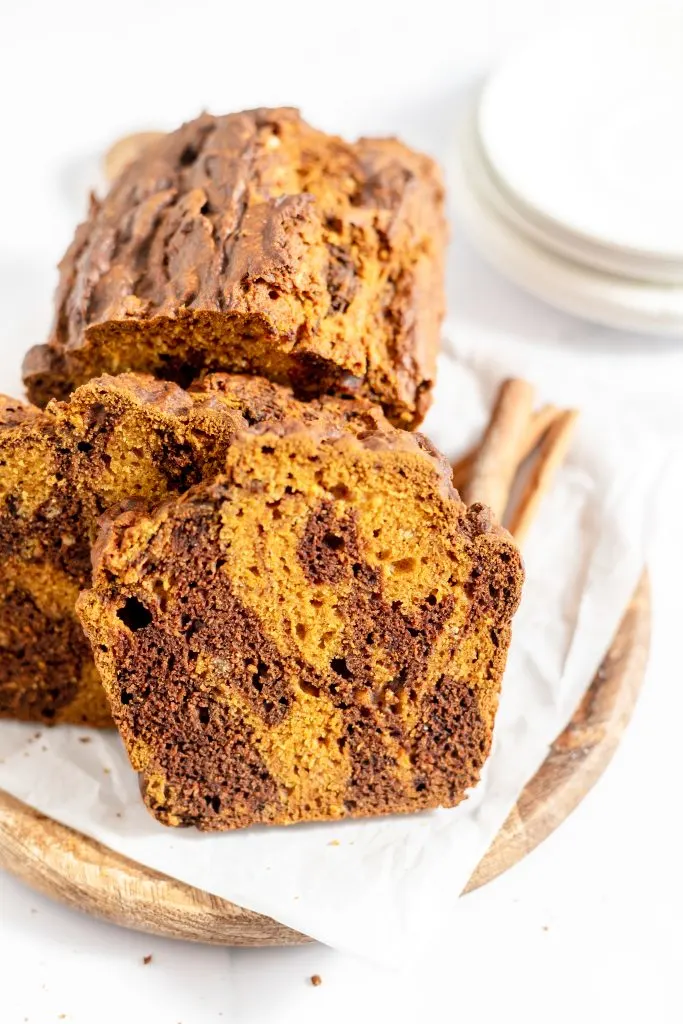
<point x="569" y="171"/>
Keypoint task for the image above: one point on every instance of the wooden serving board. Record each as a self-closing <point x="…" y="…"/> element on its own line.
<point x="80" y="872"/>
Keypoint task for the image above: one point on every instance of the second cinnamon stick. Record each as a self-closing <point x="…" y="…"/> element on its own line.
<point x="499" y="453"/>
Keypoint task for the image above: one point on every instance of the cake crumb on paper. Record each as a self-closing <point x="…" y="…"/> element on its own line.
<point x="147" y="959"/>
<point x="316" y="980"/>
<point x="333" y="842"/>
<point x="84" y="739"/>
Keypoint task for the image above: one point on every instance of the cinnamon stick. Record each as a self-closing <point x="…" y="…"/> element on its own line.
<point x="552" y="450"/>
<point x="498" y="456"/>
<point x="539" y="423"/>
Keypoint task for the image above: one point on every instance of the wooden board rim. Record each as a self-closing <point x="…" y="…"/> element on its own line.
<point x="81" y="873"/>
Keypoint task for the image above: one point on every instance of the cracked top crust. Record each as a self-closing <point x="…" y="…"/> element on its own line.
<point x="252" y="242"/>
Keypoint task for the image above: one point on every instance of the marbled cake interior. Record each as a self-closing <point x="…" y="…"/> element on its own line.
<point x="320" y="632"/>
<point x="116" y="439"/>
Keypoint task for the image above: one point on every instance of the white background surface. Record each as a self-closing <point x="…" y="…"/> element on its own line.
<point x="587" y="927"/>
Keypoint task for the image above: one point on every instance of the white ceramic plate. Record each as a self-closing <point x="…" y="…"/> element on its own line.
<point x="565" y="243"/>
<point x="602" y="297"/>
<point x="583" y="127"/>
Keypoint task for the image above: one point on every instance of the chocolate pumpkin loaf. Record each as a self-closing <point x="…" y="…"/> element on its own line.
<point x="254" y="243"/>
<point x="320" y="632"/>
<point x="116" y="438"/>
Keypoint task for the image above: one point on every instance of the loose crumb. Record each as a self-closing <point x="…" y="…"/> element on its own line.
<point x="84" y="739"/>
<point x="147" y="959"/>
<point x="316" y="980"/>
<point x="333" y="842"/>
<point x="37" y="735"/>
<point x="118" y="814"/>
<point x="107" y="771"/>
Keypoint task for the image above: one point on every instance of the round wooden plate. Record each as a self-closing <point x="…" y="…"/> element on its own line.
<point x="80" y="872"/>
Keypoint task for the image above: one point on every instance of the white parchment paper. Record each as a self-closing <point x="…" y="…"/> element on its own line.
<point x="389" y="888"/>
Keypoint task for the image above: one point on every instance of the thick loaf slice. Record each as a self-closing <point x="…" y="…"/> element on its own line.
<point x="254" y="243"/>
<point x="319" y="633"/>
<point x="117" y="438"/>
